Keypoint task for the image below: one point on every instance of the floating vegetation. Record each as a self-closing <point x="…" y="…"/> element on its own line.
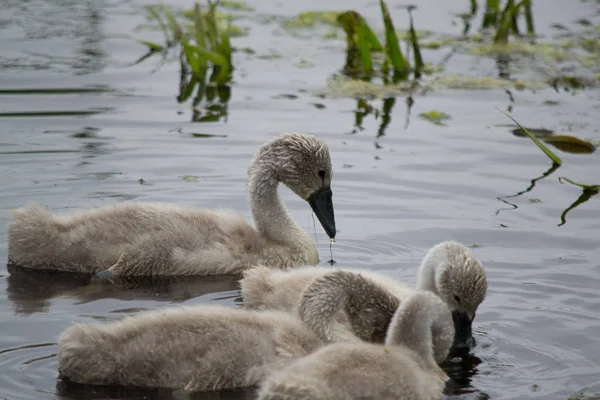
<point x="555" y="159"/>
<point x="435" y="117"/>
<point x="345" y="87"/>
<point x="190" y="178"/>
<point x="565" y="143"/>
<point x="537" y="132"/>
<point x="204" y="50"/>
<point x="484" y="82"/>
<point x="570" y="144"/>
<point x="310" y="19"/>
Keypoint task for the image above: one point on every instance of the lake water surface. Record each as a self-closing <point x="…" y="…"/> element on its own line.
<point x="80" y="127"/>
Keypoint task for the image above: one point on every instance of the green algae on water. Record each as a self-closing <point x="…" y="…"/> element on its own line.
<point x="310" y="19"/>
<point x="435" y="117"/>
<point x="484" y="82"/>
<point x="343" y="87"/>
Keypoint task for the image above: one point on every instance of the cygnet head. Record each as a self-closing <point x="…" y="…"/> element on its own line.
<point x="302" y="163"/>
<point x="452" y="271"/>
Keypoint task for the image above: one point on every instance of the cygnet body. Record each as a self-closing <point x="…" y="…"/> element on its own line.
<point x="159" y="239"/>
<point x="194" y="348"/>
<point x="402" y="369"/>
<point x="449" y="270"/>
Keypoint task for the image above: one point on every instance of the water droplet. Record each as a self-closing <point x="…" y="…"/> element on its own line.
<point x="332" y="240"/>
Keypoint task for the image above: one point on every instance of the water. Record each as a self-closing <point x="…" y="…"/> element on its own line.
<point x="81" y="128"/>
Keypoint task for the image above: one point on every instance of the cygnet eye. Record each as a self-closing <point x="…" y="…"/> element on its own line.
<point x="457" y="299"/>
<point x="322" y="173"/>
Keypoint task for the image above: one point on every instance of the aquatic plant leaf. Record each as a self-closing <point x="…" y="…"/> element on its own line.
<point x="198" y="65"/>
<point x="152" y="46"/>
<point x="594" y="188"/>
<point x="537" y="132"/>
<point x="393" y="52"/>
<point x="172" y="22"/>
<point x="364" y="49"/>
<point x="570" y="144"/>
<point x="226" y="47"/>
<point x="492" y="8"/>
<point x="556" y="159"/>
<point x="361" y="41"/>
<point x="505" y="23"/>
<point x="371" y="37"/>
<point x="529" y="18"/>
<point x="216" y="59"/>
<point x="199" y="26"/>
<point x="416" y="49"/>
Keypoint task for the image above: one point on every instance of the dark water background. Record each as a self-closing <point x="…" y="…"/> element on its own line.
<point x="79" y="128"/>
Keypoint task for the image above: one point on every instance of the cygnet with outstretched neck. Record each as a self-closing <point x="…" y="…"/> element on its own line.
<point x="159" y="239"/>
<point x="194" y="348"/>
<point x="402" y="369"/>
<point x="321" y="296"/>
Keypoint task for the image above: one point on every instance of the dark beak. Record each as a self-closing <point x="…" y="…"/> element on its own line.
<point x="463" y="336"/>
<point x="322" y="205"/>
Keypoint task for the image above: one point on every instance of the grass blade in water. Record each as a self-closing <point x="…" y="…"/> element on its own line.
<point x="505" y="23"/>
<point x="415" y="45"/>
<point x="225" y="48"/>
<point x="492" y="8"/>
<point x="200" y="33"/>
<point x="591" y="188"/>
<point x="172" y="22"/>
<point x="216" y="59"/>
<point x="152" y="46"/>
<point x="393" y="52"/>
<point x="364" y="48"/>
<point x="529" y="18"/>
<point x="556" y="159"/>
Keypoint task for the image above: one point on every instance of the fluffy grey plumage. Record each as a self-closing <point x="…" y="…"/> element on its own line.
<point x="193" y="348"/>
<point x="326" y="298"/>
<point x="402" y="369"/>
<point x="159" y="239"/>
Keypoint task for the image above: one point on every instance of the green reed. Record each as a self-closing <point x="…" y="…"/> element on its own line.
<point x="204" y="45"/>
<point x="505" y="20"/>
<point x="362" y="43"/>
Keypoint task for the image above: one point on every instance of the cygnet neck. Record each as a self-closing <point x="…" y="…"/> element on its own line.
<point x="412" y="326"/>
<point x="270" y="215"/>
<point x="430" y="267"/>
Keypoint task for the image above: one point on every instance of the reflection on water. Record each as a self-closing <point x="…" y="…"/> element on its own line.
<point x="215" y="102"/>
<point x="553" y="168"/>
<point x="56" y="20"/>
<point x="461" y="369"/>
<point x="585" y="196"/>
<point x="30" y="291"/>
<point x="364" y="108"/>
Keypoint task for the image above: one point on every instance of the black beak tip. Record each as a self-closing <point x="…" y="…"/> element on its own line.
<point x="322" y="205"/>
